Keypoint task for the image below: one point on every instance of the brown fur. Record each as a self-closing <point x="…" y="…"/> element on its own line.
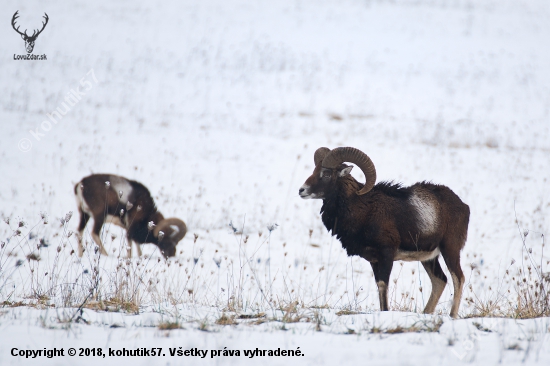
<point x="96" y="200"/>
<point x="392" y="221"/>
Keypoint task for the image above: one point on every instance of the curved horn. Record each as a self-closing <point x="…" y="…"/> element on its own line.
<point x="357" y="157"/>
<point x="178" y="232"/>
<point x="320" y="154"/>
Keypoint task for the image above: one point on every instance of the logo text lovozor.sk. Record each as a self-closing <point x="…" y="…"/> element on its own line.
<point x="29" y="40"/>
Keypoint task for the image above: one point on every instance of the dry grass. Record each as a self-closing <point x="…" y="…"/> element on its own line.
<point x="226" y="320"/>
<point x="241" y="288"/>
<point x="31" y="304"/>
<point x="252" y="316"/>
<point x="113" y="305"/>
<point x="168" y="325"/>
<point x="523" y="291"/>
<point x="347" y="312"/>
<point x="428" y="326"/>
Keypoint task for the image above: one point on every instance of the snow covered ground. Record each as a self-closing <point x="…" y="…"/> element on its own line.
<point x="217" y="107"/>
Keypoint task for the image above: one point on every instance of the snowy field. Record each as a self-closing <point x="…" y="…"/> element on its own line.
<point x="217" y="107"/>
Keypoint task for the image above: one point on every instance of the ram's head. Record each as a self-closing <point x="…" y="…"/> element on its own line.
<point x="329" y="167"/>
<point x="169" y="232"/>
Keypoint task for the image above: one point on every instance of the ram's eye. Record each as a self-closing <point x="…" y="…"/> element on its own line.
<point x="326" y="175"/>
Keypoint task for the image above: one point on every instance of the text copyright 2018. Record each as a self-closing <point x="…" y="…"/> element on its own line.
<point x="155" y="352"/>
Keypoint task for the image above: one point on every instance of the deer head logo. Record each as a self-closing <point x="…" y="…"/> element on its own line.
<point x="29" y="40"/>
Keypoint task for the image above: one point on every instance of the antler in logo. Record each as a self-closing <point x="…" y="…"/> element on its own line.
<point x="29" y="40"/>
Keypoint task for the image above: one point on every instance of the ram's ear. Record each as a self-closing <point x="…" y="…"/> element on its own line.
<point x="345" y="171"/>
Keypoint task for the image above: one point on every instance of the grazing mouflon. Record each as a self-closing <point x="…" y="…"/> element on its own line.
<point x="113" y="199"/>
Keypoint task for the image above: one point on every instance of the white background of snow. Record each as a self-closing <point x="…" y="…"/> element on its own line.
<point x="210" y="104"/>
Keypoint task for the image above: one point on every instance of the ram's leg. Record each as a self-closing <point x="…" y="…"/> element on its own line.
<point x="438" y="279"/>
<point x="138" y="247"/>
<point x="451" y="254"/>
<point x="384" y="267"/>
<point x="84" y="217"/>
<point x="129" y="247"/>
<point x="382" y="288"/>
<point x="98" y="223"/>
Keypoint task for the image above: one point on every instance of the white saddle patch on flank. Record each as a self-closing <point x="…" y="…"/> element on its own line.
<point x="409" y="256"/>
<point x="426" y="212"/>
<point x="120" y="184"/>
